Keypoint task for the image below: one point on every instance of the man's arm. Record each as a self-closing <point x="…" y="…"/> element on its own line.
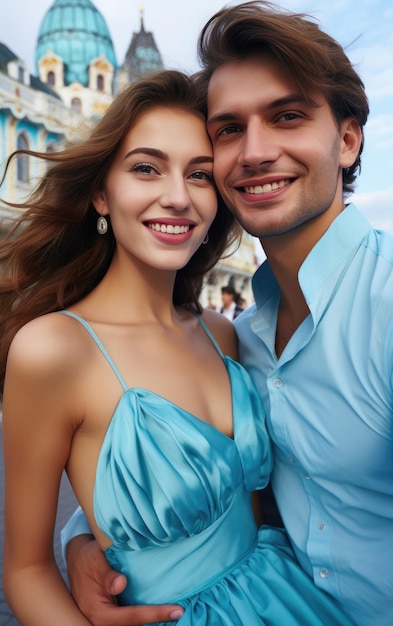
<point x="94" y="584"/>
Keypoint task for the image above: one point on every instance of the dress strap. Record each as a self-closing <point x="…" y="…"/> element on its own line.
<point x="99" y="344"/>
<point x="208" y="333"/>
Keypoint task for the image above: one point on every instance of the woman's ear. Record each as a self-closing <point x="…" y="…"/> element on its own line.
<point x="100" y="204"/>
<point x="351" y="141"/>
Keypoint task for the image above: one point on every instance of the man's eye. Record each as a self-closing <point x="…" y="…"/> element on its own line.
<point x="228" y="130"/>
<point x="289" y="117"/>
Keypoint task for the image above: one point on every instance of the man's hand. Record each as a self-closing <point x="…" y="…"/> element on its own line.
<point x="94" y="584"/>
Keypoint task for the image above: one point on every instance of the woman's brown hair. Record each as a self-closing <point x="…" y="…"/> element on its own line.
<point x="316" y="63"/>
<point x="52" y="255"/>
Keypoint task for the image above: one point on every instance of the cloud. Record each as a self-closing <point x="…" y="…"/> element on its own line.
<point x="377" y="70"/>
<point x="379" y="129"/>
<point x="377" y="207"/>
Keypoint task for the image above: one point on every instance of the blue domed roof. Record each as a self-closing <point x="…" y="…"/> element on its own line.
<point x="77" y="32"/>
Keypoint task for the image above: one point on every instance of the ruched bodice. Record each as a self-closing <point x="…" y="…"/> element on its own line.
<point x="149" y="457"/>
<point x="173" y="495"/>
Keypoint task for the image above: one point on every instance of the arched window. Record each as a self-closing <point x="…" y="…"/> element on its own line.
<point x="50" y="148"/>
<point x="51" y="78"/>
<point x="76" y="105"/>
<point x="22" y="162"/>
<point x="100" y="82"/>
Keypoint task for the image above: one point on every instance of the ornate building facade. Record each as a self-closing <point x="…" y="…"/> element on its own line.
<point x="32" y="116"/>
<point x="77" y="78"/>
<point x="75" y="56"/>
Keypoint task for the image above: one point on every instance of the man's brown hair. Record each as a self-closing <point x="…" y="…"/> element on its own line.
<point x="315" y="62"/>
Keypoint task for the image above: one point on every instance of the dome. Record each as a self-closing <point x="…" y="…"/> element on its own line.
<point x="77" y="32"/>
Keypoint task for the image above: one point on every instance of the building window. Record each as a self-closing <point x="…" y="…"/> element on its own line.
<point x="100" y="82"/>
<point x="51" y="79"/>
<point x="76" y="105"/>
<point x="22" y="162"/>
<point x="21" y="74"/>
<point x="50" y="148"/>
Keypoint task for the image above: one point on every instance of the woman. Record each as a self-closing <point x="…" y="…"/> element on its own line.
<point x="115" y="374"/>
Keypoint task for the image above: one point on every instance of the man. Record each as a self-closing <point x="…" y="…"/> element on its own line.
<point x="230" y="308"/>
<point x="286" y="112"/>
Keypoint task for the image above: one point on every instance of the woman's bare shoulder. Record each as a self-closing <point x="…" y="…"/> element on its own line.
<point x="223" y="331"/>
<point x="47" y="361"/>
<point x="49" y="343"/>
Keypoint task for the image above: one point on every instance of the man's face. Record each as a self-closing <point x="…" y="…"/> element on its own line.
<point x="227" y="298"/>
<point x="277" y="159"/>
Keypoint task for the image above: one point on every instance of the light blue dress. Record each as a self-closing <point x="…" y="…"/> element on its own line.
<point x="173" y="494"/>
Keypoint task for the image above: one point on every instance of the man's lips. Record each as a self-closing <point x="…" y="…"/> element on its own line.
<point x="265" y="187"/>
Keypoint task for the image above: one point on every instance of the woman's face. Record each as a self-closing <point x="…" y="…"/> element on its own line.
<point x="159" y="191"/>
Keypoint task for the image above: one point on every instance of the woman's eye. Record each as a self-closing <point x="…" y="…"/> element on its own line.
<point x="202" y="175"/>
<point x="143" y="168"/>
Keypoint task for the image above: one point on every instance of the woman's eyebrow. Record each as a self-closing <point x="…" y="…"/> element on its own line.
<point x="154" y="152"/>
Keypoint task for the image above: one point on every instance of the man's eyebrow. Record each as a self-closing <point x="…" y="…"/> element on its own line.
<point x="291" y="98"/>
<point x="159" y="154"/>
<point x="221" y="117"/>
<point x="287" y="100"/>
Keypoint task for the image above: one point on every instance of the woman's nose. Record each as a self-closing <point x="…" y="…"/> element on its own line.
<point x="176" y="194"/>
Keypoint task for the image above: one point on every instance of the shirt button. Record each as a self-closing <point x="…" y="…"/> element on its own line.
<point x="324" y="573"/>
<point x="307" y="477"/>
<point x="290" y="458"/>
<point x="277" y="383"/>
<point x="321" y="526"/>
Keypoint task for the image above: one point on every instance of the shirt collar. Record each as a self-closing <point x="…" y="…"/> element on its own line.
<point x="337" y="245"/>
<point x="333" y="250"/>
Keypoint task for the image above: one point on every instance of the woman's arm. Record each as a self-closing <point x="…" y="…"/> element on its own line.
<point x="37" y="434"/>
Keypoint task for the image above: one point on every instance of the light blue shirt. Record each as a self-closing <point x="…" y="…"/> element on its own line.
<point x="329" y="402"/>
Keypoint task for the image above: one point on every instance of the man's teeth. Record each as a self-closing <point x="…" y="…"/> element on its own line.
<point x="169" y="228"/>
<point x="267" y="187"/>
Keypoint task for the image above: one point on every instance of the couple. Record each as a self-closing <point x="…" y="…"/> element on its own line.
<point x="166" y="482"/>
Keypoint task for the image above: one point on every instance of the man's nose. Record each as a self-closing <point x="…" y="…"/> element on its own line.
<point x="259" y="144"/>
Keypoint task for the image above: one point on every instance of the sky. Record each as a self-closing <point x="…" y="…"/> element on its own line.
<point x="363" y="27"/>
